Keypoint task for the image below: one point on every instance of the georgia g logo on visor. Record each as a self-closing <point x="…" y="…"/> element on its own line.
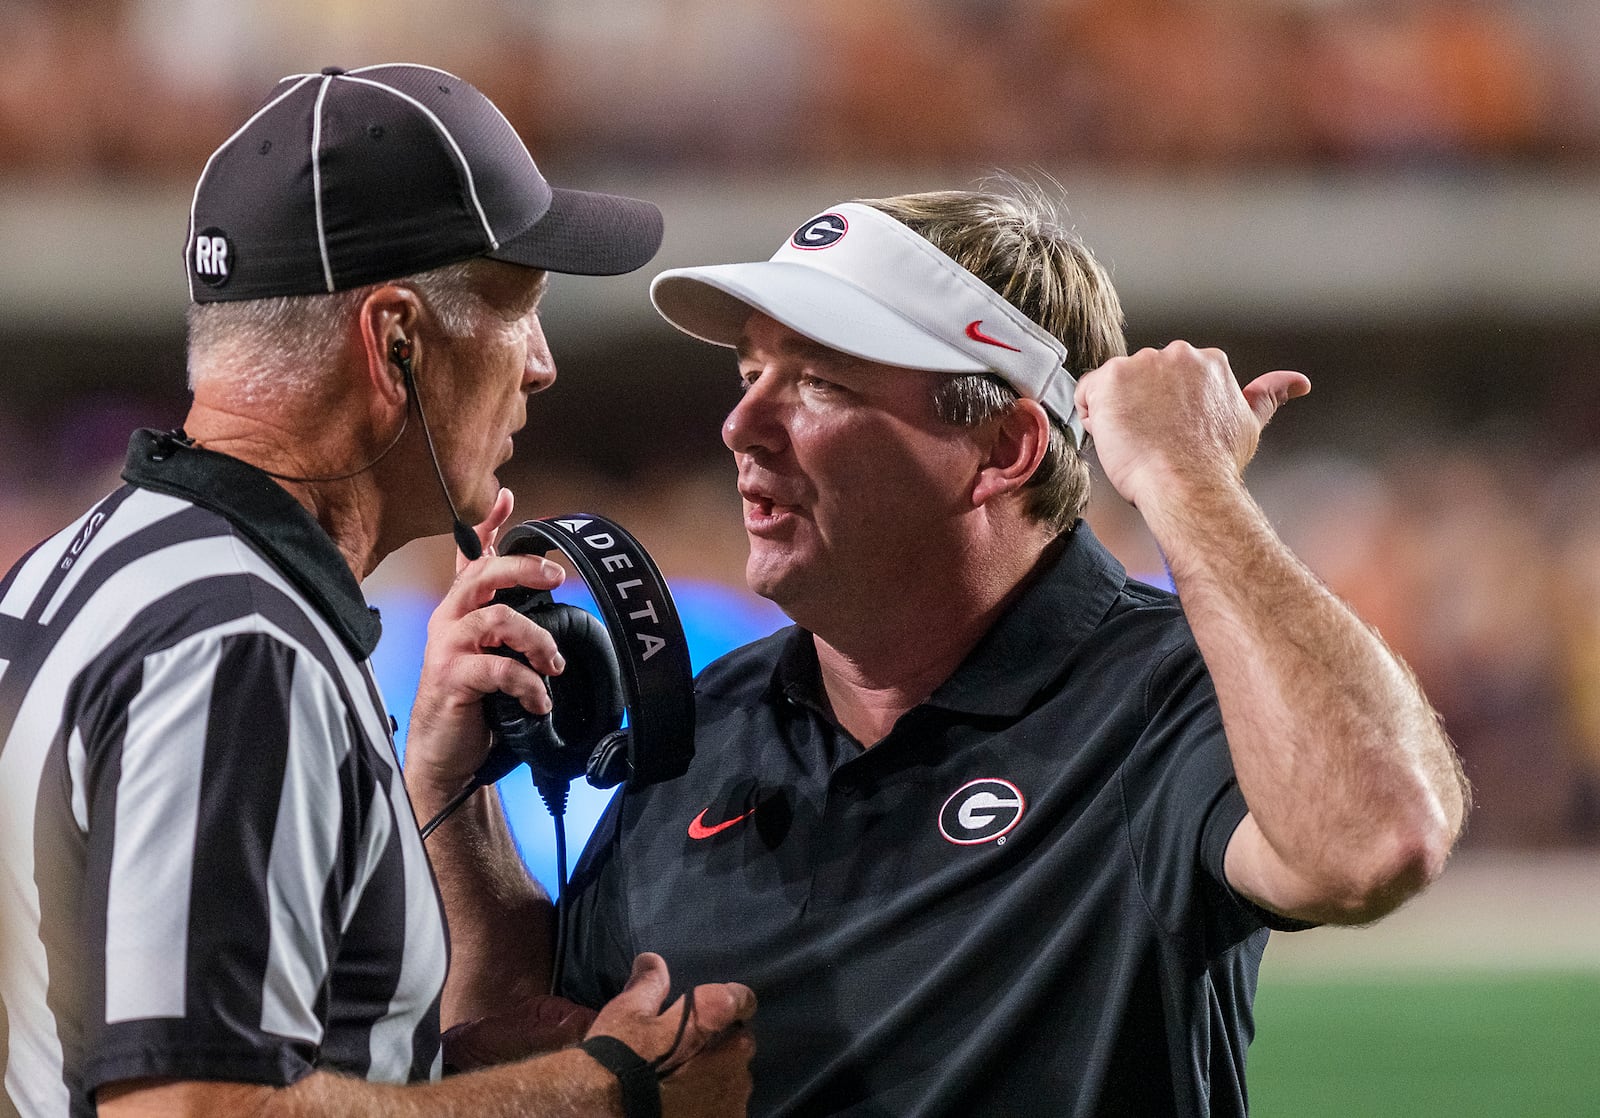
<point x="820" y="232"/>
<point x="981" y="811"/>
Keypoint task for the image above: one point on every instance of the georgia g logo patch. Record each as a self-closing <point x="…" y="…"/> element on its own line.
<point x="980" y="811"/>
<point x="820" y="232"/>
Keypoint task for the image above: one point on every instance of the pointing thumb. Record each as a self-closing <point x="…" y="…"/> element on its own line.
<point x="1270" y="391"/>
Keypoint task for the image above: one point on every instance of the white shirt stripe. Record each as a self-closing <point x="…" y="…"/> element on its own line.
<point x="188" y="248"/>
<point x="423" y="967"/>
<point x="158" y="796"/>
<point x="31" y="578"/>
<point x="147" y="508"/>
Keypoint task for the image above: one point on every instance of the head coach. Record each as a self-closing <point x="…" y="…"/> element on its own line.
<point x="213" y="895"/>
<point x="993" y="828"/>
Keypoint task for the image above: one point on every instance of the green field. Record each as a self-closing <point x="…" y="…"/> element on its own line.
<point x="1412" y="1046"/>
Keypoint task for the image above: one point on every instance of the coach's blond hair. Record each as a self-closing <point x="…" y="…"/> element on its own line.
<point x="1015" y="241"/>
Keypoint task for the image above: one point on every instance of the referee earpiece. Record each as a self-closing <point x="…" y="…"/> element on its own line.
<point x="400" y="353"/>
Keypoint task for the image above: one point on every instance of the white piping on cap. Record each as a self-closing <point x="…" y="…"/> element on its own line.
<point x="188" y="247"/>
<point x="472" y="186"/>
<point x="316" y="179"/>
<point x="446" y="73"/>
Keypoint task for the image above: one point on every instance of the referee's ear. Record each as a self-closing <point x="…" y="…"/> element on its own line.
<point x="388" y="319"/>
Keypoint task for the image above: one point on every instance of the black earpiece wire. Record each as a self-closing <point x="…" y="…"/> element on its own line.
<point x="466" y="539"/>
<point x="556" y="804"/>
<point x="444" y="813"/>
<point x="411" y="394"/>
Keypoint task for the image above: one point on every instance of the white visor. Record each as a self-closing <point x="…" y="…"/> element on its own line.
<point x="856" y="280"/>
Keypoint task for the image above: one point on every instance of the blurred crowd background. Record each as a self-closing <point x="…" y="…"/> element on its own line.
<point x="1392" y="195"/>
<point x="142" y="86"/>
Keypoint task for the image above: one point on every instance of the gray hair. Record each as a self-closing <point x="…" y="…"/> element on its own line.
<point x="275" y="348"/>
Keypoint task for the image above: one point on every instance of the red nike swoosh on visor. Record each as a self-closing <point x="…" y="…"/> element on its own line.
<point x="979" y="336"/>
<point x="699" y="830"/>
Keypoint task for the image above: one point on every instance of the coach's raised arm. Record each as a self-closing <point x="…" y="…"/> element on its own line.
<point x="1355" y="796"/>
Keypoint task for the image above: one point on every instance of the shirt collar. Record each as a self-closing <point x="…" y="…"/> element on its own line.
<point x="263" y="512"/>
<point x="1066" y="597"/>
<point x="1064" y="602"/>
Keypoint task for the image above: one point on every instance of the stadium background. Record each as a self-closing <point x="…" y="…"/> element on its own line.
<point x="1400" y="198"/>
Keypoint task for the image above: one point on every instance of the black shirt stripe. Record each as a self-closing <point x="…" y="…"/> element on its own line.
<point x="246" y="645"/>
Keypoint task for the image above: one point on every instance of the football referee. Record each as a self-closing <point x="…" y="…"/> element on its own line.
<point x="213" y="896"/>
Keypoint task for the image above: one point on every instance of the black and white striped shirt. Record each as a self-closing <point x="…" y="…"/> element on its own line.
<point x="209" y="868"/>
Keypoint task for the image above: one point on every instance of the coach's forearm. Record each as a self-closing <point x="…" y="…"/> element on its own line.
<point x="501" y="920"/>
<point x="1340" y="757"/>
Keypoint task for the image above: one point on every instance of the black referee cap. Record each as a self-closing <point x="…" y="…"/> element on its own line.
<point x="346" y="178"/>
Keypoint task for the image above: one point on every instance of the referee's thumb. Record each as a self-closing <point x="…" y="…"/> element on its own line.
<point x="648" y="985"/>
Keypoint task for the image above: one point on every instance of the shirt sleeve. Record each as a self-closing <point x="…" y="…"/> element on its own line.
<point x="213" y="879"/>
<point x="1184" y="805"/>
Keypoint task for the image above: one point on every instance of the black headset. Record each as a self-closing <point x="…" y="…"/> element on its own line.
<point x="635" y="658"/>
<point x="637" y="662"/>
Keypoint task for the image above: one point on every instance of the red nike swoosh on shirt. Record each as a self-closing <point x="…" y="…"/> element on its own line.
<point x="699" y="830"/>
<point x="979" y="336"/>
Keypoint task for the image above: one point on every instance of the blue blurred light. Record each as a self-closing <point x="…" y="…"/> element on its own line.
<point x="716" y="619"/>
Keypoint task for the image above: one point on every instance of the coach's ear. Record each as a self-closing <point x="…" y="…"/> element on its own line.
<point x="1015" y="445"/>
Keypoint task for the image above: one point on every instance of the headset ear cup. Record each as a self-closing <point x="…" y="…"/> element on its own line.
<point x="587" y="697"/>
<point x="653" y="667"/>
<point x="609" y="764"/>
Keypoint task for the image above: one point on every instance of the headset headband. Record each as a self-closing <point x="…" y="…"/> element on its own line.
<point x="642" y="621"/>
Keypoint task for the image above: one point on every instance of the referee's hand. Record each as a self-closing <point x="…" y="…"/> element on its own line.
<point x="707" y="1071"/>
<point x="449" y="738"/>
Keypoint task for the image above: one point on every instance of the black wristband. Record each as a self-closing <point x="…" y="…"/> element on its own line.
<point x="641" y="1092"/>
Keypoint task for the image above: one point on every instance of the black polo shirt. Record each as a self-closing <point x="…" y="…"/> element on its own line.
<point x="1013" y="904"/>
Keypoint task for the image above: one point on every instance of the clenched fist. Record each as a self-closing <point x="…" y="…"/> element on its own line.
<point x="1177" y="415"/>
